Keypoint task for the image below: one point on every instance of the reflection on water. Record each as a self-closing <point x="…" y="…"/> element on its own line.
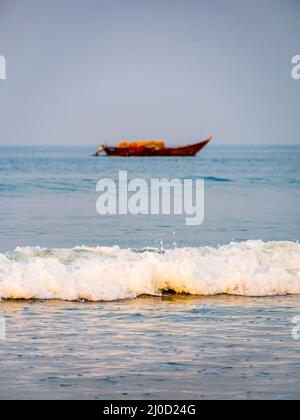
<point x="152" y="347"/>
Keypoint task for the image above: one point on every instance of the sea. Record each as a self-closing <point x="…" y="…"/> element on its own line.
<point x="144" y="306"/>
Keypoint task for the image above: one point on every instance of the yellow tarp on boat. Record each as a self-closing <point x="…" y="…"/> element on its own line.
<point x="151" y="144"/>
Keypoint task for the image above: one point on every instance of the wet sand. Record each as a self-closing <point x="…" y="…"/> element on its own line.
<point x="176" y="347"/>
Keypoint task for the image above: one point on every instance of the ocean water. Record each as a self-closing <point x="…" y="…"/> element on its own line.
<point x="145" y="306"/>
<point x="48" y="198"/>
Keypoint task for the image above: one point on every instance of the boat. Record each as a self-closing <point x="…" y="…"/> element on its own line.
<point x="151" y="148"/>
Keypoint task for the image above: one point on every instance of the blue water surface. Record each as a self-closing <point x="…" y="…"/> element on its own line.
<point x="48" y="197"/>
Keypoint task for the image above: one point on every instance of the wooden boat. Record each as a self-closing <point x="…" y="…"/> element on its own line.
<point x="151" y="148"/>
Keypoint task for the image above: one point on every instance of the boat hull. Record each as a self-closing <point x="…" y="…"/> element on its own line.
<point x="184" y="151"/>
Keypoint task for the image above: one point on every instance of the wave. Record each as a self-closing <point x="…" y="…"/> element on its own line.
<point x="217" y="179"/>
<point x="252" y="268"/>
<point x="209" y="178"/>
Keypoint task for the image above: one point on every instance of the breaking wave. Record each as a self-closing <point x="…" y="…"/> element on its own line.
<point x="252" y="268"/>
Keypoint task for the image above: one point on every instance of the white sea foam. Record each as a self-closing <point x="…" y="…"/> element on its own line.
<point x="252" y="268"/>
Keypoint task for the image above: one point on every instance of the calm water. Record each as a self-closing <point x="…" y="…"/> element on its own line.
<point x="48" y="197"/>
<point x="228" y="340"/>
<point x="171" y="347"/>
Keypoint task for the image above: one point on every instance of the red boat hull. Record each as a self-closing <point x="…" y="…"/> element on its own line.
<point x="190" y="150"/>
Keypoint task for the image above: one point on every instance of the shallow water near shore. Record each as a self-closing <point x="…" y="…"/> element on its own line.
<point x="172" y="346"/>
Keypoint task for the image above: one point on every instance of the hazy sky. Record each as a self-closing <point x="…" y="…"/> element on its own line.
<point x="95" y="71"/>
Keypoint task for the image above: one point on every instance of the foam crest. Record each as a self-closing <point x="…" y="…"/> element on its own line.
<point x="252" y="268"/>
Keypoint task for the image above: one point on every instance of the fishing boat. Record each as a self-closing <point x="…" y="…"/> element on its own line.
<point x="151" y="148"/>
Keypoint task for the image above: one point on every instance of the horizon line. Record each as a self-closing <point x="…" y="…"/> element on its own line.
<point x="172" y="144"/>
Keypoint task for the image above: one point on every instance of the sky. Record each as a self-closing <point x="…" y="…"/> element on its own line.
<point x="88" y="72"/>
